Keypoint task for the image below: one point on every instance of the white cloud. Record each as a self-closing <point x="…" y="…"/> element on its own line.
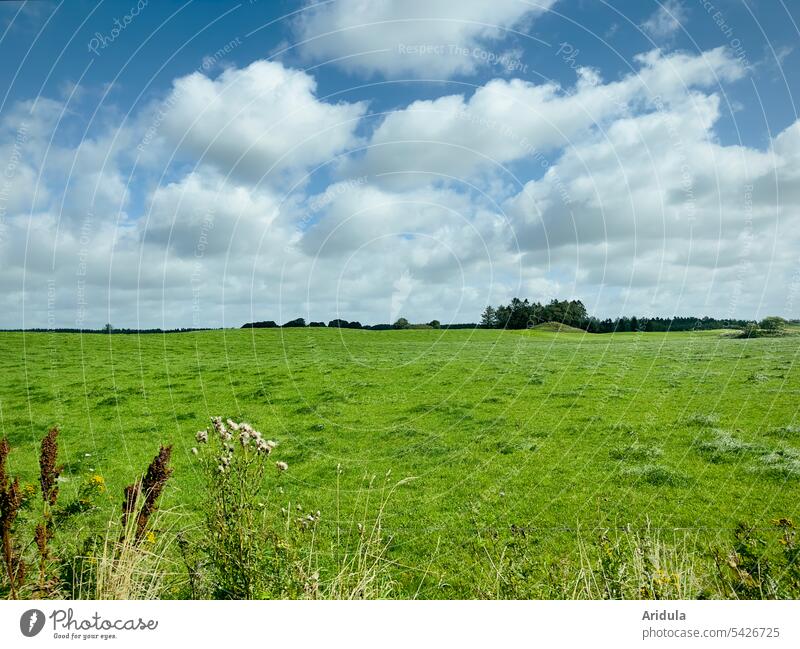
<point x="655" y="208"/>
<point x="420" y="38"/>
<point x="203" y="215"/>
<point x="509" y="120"/>
<point x="666" y="20"/>
<point x="257" y="121"/>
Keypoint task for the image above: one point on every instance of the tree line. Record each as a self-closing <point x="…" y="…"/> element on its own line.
<point x="523" y="314"/>
<point x="338" y="323"/>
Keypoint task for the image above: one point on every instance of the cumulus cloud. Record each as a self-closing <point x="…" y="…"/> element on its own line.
<point x="257" y="121"/>
<point x="509" y="120"/>
<point x="202" y="214"/>
<point x="419" y="38"/>
<point x="656" y="208"/>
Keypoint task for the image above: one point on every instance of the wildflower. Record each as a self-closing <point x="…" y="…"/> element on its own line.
<point x="244" y="436"/>
<point x="233" y="424"/>
<point x="28" y="492"/>
<point x="150" y="538"/>
<point x="98" y="483"/>
<point x="202" y="436"/>
<point x="219" y="427"/>
<point x="194" y="450"/>
<point x="282" y="466"/>
<point x="263" y="447"/>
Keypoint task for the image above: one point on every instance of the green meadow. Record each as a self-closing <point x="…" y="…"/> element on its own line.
<point x="522" y="445"/>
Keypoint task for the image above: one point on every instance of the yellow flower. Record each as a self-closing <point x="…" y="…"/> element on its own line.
<point x="98" y="482"/>
<point x="151" y="538"/>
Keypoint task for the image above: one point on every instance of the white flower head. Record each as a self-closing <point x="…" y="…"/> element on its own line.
<point x="282" y="466"/>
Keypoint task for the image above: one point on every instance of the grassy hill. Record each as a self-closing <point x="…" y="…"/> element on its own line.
<point x="558" y="327"/>
<point x="514" y="441"/>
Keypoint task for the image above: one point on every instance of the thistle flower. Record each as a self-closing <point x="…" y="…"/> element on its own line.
<point x="219" y="427"/>
<point x="233" y="424"/>
<point x="244" y="437"/>
<point x="282" y="466"/>
<point x="194" y="450"/>
<point x="202" y="436"/>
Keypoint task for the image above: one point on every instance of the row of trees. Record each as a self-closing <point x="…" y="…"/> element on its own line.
<point x="522" y="314"/>
<point x="338" y="323"/>
<point x="678" y="323"/>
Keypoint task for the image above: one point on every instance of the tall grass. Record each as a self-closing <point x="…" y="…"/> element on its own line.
<point x="125" y="567"/>
<point x="359" y="552"/>
<point x="638" y="564"/>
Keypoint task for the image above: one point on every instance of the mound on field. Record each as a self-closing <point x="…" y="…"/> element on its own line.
<point x="557" y="327"/>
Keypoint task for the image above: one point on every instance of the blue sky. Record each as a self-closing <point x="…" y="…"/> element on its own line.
<point x="211" y="163"/>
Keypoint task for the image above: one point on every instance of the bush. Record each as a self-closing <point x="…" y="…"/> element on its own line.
<point x="297" y="322"/>
<point x="773" y="324"/>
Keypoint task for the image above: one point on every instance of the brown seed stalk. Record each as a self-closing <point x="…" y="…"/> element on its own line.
<point x="10" y="502"/>
<point x="144" y="493"/>
<point x="48" y="471"/>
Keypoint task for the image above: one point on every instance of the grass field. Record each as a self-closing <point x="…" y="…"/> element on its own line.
<point x="533" y="435"/>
